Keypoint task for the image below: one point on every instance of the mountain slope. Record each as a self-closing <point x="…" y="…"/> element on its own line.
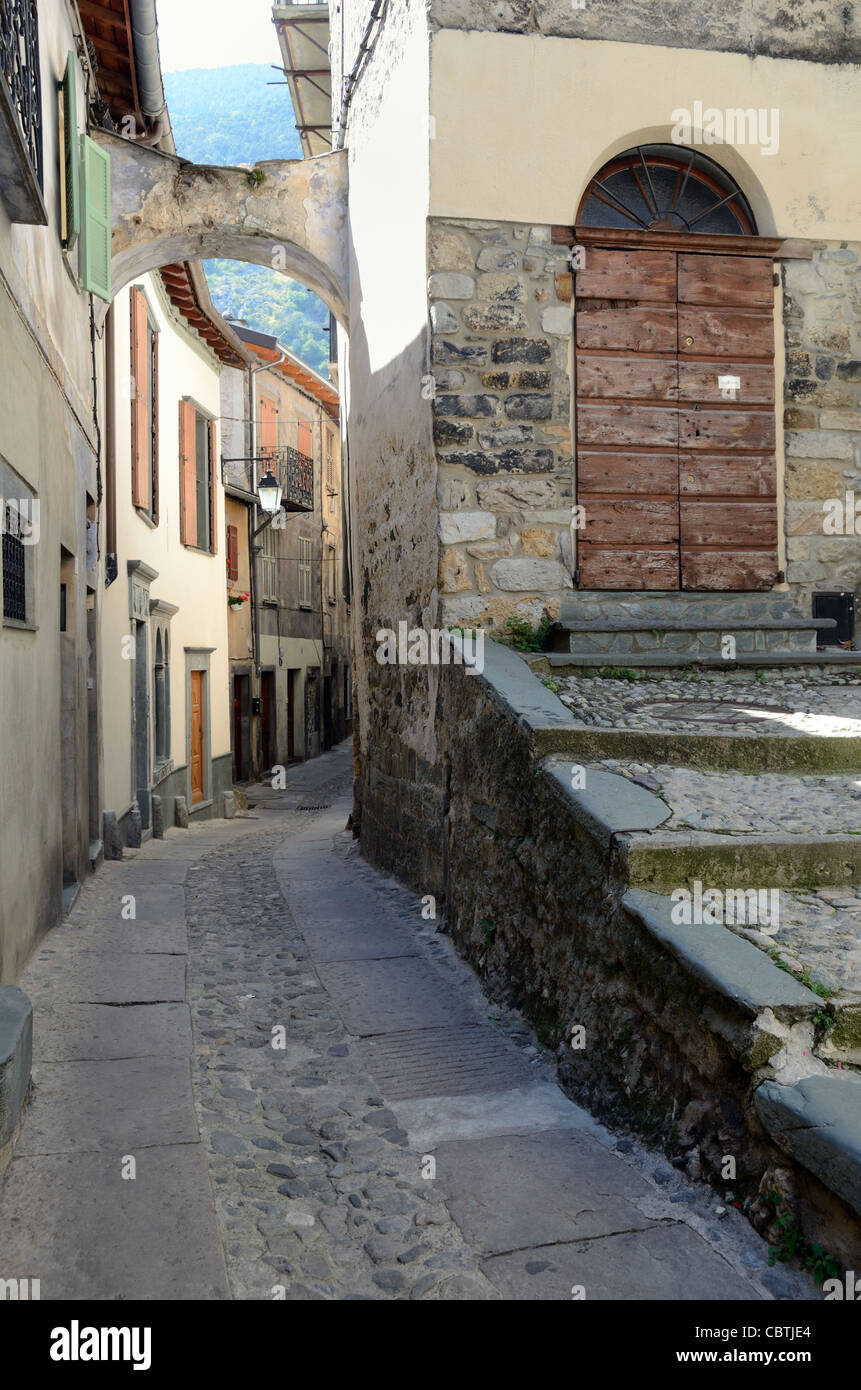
<point x="231" y="116"/>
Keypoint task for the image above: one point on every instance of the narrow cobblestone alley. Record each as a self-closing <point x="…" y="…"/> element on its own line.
<point x="359" y="1122"/>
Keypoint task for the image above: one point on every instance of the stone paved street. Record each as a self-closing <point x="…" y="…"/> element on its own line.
<point x="319" y="1101"/>
<point x="779" y="703"/>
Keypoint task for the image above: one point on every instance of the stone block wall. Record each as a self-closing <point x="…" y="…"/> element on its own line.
<point x="501" y="317"/>
<point x="822" y="417"/>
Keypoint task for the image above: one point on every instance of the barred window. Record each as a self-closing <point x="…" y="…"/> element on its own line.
<point x="19" y="525"/>
<point x="14" y="570"/>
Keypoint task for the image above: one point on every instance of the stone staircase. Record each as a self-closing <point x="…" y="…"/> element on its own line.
<point x="658" y="628"/>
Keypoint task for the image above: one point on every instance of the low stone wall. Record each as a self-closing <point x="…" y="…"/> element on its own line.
<point x="532" y="892"/>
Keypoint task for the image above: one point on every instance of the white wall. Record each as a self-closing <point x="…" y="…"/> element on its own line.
<point x="195" y="581"/>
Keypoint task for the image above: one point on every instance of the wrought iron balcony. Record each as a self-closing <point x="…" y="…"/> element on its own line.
<point x="296" y="474"/>
<point x="294" y="471"/>
<point x="21" y="161"/>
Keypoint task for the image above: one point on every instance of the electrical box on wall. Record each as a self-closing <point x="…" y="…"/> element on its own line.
<point x="256" y="705"/>
<point x="841" y="607"/>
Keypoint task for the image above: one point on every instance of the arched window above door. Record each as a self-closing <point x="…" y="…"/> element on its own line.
<point x="666" y="188"/>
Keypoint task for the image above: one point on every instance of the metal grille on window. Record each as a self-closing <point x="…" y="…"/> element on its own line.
<point x="19" y="59"/>
<point x="14" y="570"/>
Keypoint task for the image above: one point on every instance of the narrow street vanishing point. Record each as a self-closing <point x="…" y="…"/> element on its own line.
<point x="430" y="505"/>
<point x="405" y="1139"/>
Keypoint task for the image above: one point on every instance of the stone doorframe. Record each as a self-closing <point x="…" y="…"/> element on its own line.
<point x="141" y="576"/>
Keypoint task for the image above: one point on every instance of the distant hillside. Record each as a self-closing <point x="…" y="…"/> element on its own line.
<point x="231" y="116"/>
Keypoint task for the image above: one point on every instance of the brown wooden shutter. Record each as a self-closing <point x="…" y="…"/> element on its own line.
<point x="305" y="446"/>
<point x="268" y="428"/>
<point x="187" y="474"/>
<point x="140" y="399"/>
<point x="213" y="489"/>
<point x="154" y="420"/>
<point x="232" y="552"/>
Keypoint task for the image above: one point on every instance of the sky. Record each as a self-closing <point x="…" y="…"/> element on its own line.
<point x="215" y="33"/>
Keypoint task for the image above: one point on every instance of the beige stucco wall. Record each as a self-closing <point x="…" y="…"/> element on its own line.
<point x="522" y="122"/>
<point x="48" y="438"/>
<point x="192" y="580"/>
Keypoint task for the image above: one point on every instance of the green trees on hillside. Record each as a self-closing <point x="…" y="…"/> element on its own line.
<point x="231" y="116"/>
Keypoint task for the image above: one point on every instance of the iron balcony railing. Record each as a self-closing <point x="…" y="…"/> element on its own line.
<point x="294" y="471"/>
<point x="19" y="63"/>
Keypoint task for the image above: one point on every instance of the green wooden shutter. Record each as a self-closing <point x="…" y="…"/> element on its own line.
<point x="96" y="220"/>
<point x="72" y="175"/>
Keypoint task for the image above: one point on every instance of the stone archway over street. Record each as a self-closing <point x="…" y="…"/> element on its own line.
<point x="286" y="214"/>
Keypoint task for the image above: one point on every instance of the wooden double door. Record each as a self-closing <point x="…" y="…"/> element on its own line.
<point x="675" y="420"/>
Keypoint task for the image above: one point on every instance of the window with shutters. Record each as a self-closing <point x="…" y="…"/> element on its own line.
<point x="144" y="398"/>
<point x="70" y="172"/>
<point x="198" y="485"/>
<point x="304" y="572"/>
<point x="95" y="259"/>
<point x="332" y="575"/>
<point x="304" y="444"/>
<point x="232" y="552"/>
<point x="330" y="460"/>
<point x="268" y="567"/>
<point x="268" y="428"/>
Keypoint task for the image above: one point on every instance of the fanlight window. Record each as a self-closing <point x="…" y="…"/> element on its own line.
<point x="666" y="188"/>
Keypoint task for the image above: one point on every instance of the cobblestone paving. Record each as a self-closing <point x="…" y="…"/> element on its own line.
<point x="819" y="932"/>
<point x="315" y="1190"/>
<point x="319" y="1190"/>
<point x="790" y="702"/>
<point x="744" y="803"/>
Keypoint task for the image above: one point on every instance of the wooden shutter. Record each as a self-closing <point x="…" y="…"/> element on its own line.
<point x="71" y="181"/>
<point x="213" y="489"/>
<point x="95" y="219"/>
<point x="140" y="399"/>
<point x="187" y="474"/>
<point x="268" y="428"/>
<point x="153" y="425"/>
<point x="305" y="446"/>
<point x="232" y="552"/>
<point x="727" y="468"/>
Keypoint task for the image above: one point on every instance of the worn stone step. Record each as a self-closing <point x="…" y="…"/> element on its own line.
<point x="818" y="1122"/>
<point x="662" y="658"/>
<point x="618" y="605"/>
<point x="675" y="635"/>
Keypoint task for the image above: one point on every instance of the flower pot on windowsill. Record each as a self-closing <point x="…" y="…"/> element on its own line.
<point x="237" y="600"/>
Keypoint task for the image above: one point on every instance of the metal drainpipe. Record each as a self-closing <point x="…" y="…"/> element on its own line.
<point x="148" y="70"/>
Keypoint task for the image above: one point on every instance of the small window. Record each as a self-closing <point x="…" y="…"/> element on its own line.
<point x="19" y="525"/>
<point x="304" y="572"/>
